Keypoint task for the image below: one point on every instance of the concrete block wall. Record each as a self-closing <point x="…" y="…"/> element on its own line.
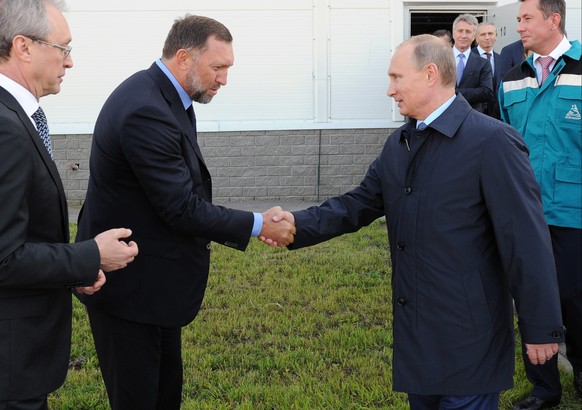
<point x="302" y="165"/>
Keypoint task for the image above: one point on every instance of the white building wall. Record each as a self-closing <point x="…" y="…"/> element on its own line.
<point x="305" y="110"/>
<point x="299" y="64"/>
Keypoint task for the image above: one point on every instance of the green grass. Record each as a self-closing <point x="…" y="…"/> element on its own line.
<point x="308" y="329"/>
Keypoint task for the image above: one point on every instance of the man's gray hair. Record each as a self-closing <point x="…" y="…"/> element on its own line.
<point x="486" y="23"/>
<point x="429" y="49"/>
<point x="467" y="18"/>
<point x="24" y="17"/>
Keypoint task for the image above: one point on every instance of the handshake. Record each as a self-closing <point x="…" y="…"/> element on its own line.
<point x="278" y="227"/>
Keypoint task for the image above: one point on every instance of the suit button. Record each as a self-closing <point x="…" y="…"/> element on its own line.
<point x="407" y="190"/>
<point x="401" y="301"/>
<point x="208" y="246"/>
<point x="401" y="246"/>
<point x="556" y="334"/>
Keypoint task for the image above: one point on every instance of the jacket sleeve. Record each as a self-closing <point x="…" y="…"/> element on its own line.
<point x="341" y="214"/>
<point x="152" y="142"/>
<point x="513" y="201"/>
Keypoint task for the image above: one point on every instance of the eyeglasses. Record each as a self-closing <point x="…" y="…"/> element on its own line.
<point x="65" y="49"/>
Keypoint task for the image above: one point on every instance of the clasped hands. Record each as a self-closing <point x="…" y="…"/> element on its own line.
<point x="278" y="227"/>
<point x="114" y="254"/>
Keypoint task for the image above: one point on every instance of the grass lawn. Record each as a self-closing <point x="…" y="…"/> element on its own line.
<point x="308" y="329"/>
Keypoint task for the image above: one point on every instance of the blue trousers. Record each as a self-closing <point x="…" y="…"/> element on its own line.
<point x="480" y="402"/>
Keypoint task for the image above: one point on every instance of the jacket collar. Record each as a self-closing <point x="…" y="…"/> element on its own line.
<point x="176" y="105"/>
<point x="449" y="122"/>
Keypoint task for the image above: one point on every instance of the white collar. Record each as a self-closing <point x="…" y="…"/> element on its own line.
<point x="556" y="52"/>
<point x="24" y="97"/>
<point x="481" y="51"/>
<point x="466" y="53"/>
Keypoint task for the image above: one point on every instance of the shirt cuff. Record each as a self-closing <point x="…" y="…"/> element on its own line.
<point x="257" y="225"/>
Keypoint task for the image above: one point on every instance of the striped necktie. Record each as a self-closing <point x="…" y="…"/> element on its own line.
<point x="545" y="62"/>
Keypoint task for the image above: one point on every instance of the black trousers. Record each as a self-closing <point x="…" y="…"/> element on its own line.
<point x="38" y="403"/>
<point x="567" y="245"/>
<point x="141" y="364"/>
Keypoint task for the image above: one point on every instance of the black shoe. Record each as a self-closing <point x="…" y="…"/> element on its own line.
<point x="533" y="403"/>
<point x="578" y="382"/>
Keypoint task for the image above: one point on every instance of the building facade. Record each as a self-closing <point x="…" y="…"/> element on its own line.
<point x="305" y="110"/>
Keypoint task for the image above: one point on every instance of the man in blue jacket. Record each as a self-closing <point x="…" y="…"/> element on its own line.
<point x="542" y="99"/>
<point x="467" y="237"/>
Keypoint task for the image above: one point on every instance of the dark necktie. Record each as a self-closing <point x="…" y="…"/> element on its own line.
<point x="190" y="112"/>
<point x="460" y="67"/>
<point x="490" y="62"/>
<point x="421" y="126"/>
<point x="43" y="131"/>
<point x="545" y="63"/>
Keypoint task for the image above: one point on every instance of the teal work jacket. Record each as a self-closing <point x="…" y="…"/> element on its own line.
<point x="549" y="119"/>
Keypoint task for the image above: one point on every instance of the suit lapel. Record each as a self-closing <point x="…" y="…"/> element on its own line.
<point x="175" y="104"/>
<point x="469" y="66"/>
<point x="187" y="126"/>
<point x="50" y="165"/>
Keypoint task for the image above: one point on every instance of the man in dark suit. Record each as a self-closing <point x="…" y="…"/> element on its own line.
<point x="467" y="236"/>
<point x="474" y="77"/>
<point x="38" y="266"/>
<point x="147" y="170"/>
<point x="486" y="37"/>
<point x="511" y="55"/>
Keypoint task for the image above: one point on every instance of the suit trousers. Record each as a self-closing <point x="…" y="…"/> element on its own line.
<point x="141" y="364"/>
<point x="566" y="244"/>
<point x="38" y="403"/>
<point x="434" y="402"/>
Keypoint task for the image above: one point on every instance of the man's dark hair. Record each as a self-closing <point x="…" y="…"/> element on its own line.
<point x="549" y="7"/>
<point x="442" y="33"/>
<point x="192" y="32"/>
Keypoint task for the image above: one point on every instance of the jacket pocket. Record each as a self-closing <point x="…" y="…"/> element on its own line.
<point x="568" y="187"/>
<point x="568" y="109"/>
<point x="22" y="307"/>
<point x="514" y="102"/>
<point x="478" y="306"/>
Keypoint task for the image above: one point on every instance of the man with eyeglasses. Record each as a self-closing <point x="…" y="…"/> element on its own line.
<point x="65" y="49"/>
<point x="38" y="266"/>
